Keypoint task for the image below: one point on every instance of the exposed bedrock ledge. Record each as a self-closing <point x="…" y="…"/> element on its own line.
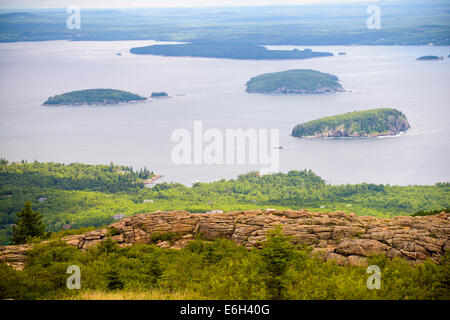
<point x="338" y="236"/>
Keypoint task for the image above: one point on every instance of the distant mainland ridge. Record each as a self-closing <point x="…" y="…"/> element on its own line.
<point x="367" y="123"/>
<point x="161" y="94"/>
<point x="296" y="81"/>
<point x="240" y="51"/>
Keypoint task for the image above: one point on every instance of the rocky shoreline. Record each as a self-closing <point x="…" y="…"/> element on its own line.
<point x="343" y="134"/>
<point x="153" y="179"/>
<point x="323" y="90"/>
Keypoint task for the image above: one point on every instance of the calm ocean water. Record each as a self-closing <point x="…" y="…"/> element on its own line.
<point x="212" y="90"/>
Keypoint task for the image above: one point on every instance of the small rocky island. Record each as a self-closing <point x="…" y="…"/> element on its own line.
<point x="427" y="58"/>
<point x="297" y="81"/>
<point x="93" y="97"/>
<point x="159" y="95"/>
<point x="367" y="123"/>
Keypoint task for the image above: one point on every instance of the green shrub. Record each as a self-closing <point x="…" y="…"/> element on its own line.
<point x="169" y="237"/>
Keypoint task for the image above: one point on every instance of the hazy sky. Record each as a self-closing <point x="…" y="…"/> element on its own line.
<point x="157" y="3"/>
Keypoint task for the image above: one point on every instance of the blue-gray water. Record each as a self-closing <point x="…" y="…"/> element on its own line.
<point x="212" y="90"/>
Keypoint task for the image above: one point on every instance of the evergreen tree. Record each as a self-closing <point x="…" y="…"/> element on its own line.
<point x="28" y="225"/>
<point x="114" y="281"/>
<point x="146" y="173"/>
<point x="277" y="253"/>
<point x="108" y="246"/>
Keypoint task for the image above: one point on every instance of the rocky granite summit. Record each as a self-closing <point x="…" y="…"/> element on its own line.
<point x="344" y="238"/>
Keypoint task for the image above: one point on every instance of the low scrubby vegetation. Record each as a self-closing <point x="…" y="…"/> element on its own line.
<point x="217" y="269"/>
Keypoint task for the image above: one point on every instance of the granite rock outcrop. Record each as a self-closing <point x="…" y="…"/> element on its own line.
<point x="345" y="238"/>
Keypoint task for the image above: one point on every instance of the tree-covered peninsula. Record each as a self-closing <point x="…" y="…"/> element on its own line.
<point x="238" y="51"/>
<point x="367" y="123"/>
<point x="297" y="81"/>
<point x="93" y="97"/>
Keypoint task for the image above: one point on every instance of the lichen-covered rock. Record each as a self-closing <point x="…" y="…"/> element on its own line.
<point x="344" y="238"/>
<point x="361" y="247"/>
<point x="15" y="255"/>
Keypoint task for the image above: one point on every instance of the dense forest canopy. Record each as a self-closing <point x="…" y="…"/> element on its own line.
<point x="358" y="123"/>
<point x="93" y="96"/>
<point x="294" y="81"/>
<point x="75" y="176"/>
<point x="241" y="51"/>
<point x="82" y="195"/>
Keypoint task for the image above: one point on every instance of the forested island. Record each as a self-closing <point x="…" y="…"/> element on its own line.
<point x="240" y="51"/>
<point x="426" y="58"/>
<point x="297" y="81"/>
<point x="93" y="97"/>
<point x="159" y="95"/>
<point x="367" y="123"/>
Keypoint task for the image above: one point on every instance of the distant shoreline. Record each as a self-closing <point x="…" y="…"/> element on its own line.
<point x="153" y="179"/>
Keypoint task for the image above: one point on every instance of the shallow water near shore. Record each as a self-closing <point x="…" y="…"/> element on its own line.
<point x="213" y="91"/>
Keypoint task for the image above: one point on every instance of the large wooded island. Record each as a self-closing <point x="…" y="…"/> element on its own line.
<point x="239" y="51"/>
